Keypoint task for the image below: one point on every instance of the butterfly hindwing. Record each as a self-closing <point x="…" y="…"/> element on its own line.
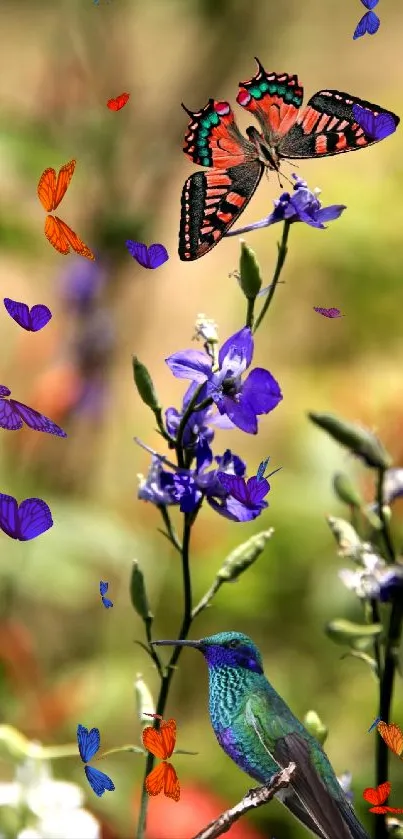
<point x="154" y="782"/>
<point x="36" y="420"/>
<point x="211" y="203"/>
<point x="171" y="783"/>
<point x="214" y="139"/>
<point x="327" y="126"/>
<point x="99" y="781"/>
<point x="34" y="518"/>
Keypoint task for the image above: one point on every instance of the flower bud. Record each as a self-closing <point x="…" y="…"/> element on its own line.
<point x="138" y="594"/>
<point x="361" y="442"/>
<point x="249" y="272"/>
<point x="145" y="387"/>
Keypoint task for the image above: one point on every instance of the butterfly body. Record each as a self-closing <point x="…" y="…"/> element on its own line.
<point x="213" y="200"/>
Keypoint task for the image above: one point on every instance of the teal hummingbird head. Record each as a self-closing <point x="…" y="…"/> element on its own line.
<point x="225" y="649"/>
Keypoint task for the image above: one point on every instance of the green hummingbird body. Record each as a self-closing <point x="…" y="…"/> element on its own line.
<point x="257" y="729"/>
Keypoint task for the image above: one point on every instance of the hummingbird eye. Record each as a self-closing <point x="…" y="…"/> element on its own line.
<point x="234" y="643"/>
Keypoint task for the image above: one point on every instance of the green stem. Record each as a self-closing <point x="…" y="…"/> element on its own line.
<point x="381" y="513"/>
<point x="250" y="312"/>
<point x="166" y="679"/>
<point x="391" y="649"/>
<point x="282" y="253"/>
<point x="179" y="437"/>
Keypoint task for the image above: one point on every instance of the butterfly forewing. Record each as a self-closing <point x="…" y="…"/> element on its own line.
<point x="34" y="518"/>
<point x="274" y="99"/>
<point x="379" y="794"/>
<point x="63" y="179"/>
<point x="47" y="189"/>
<point x="153" y="742"/>
<point x="392" y="735"/>
<point x="214" y="139"/>
<point x="168" y="736"/>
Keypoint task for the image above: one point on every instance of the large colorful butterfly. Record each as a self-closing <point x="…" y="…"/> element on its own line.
<point x="51" y="190"/>
<point x="161" y="744"/>
<point x="212" y="201"/>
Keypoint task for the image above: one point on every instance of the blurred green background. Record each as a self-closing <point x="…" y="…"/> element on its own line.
<point x="63" y="658"/>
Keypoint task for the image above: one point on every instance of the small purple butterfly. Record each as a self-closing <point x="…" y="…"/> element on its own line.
<point x="377" y="126"/>
<point x="328" y="313"/>
<point x="26" y="521"/>
<point x="369" y="23"/>
<point x="13" y="414"/>
<point x="151" y="257"/>
<point x="32" y="319"/>
<point x="249" y="492"/>
<point x="370" y="4"/>
<point x="103" y="588"/>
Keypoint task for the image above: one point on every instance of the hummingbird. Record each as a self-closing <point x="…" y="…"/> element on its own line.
<point x="259" y="732"/>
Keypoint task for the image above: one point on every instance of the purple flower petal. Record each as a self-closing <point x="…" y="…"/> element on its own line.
<point x="240" y="413"/>
<point x="328" y="313"/>
<point x="261" y="391"/>
<point x="370" y="4"/>
<point x="240" y="345"/>
<point x="190" y="364"/>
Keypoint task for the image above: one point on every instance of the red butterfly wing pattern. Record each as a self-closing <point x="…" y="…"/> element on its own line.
<point x="274" y="99"/>
<point x="214" y="139"/>
<point x="326" y="126"/>
<point x="211" y="203"/>
<point x="379" y="794"/>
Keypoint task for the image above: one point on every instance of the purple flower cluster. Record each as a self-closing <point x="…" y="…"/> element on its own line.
<point x="220" y="394"/>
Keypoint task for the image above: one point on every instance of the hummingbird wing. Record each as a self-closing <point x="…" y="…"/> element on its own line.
<point x="307" y="797"/>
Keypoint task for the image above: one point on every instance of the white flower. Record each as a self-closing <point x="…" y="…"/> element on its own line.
<point x="55" y="806"/>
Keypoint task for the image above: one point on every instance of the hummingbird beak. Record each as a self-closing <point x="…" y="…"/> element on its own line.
<point x="196" y="644"/>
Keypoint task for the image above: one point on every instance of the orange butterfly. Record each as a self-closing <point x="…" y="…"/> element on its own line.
<point x="377" y="796"/>
<point x="161" y="744"/>
<point x="51" y="190"/>
<point x="391" y="733"/>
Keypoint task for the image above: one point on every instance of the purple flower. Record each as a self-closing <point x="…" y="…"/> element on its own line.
<point x="197" y="436"/>
<point x="391" y="584"/>
<point x="151" y="488"/>
<point x="302" y="205"/>
<point x="240" y="401"/>
<point x="182" y="488"/>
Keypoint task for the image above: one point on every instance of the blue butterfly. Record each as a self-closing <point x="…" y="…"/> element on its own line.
<point x="369" y="23"/>
<point x="88" y="745"/>
<point x="103" y="588"/>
